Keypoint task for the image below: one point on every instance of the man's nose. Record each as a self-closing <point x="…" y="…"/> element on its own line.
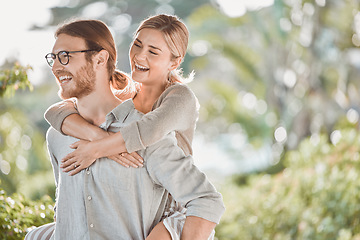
<point x="57" y="65"/>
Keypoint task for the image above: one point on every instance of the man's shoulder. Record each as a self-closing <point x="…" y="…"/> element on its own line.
<point x="125" y="113"/>
<point x="52" y="135"/>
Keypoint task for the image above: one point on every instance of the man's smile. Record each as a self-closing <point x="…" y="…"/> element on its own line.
<point x="64" y="79"/>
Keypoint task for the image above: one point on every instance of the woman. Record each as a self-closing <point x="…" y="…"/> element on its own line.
<point x="158" y="48"/>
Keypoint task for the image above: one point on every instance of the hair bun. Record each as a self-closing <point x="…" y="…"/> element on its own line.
<point x="120" y="80"/>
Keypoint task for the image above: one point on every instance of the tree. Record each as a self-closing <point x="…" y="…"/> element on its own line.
<point x="277" y="75"/>
<point x="17" y="138"/>
<point x="13" y="79"/>
<point x="24" y="164"/>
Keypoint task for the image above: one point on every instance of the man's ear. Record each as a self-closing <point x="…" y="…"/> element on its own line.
<point x="175" y="63"/>
<point x="101" y="58"/>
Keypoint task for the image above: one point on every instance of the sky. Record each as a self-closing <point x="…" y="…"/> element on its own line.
<point x="28" y="47"/>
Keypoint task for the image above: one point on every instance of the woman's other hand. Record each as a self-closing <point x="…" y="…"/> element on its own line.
<point x="128" y="159"/>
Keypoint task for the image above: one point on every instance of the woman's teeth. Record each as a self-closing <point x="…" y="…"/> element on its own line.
<point x="141" y="68"/>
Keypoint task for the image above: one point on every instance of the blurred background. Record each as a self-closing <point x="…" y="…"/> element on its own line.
<point x="278" y="83"/>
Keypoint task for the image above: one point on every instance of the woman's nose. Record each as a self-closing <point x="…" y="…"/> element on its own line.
<point x="140" y="55"/>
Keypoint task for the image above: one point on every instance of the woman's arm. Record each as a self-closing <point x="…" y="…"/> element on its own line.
<point x="176" y="109"/>
<point x="76" y="126"/>
<point x="65" y="119"/>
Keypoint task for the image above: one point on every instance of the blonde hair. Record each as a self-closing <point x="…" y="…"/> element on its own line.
<point x="176" y="36"/>
<point x="97" y="36"/>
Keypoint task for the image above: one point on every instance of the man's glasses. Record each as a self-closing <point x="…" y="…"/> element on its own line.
<point x="63" y="56"/>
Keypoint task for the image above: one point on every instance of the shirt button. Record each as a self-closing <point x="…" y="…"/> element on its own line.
<point x="87" y="172"/>
<point x="91" y="225"/>
<point x="89" y="198"/>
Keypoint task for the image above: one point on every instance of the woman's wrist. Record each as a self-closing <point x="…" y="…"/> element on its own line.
<point x="97" y="135"/>
<point x="94" y="149"/>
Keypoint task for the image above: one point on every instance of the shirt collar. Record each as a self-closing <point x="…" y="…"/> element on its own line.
<point x="119" y="113"/>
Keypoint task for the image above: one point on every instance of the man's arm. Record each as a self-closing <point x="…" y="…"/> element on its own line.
<point x="168" y="167"/>
<point x="54" y="163"/>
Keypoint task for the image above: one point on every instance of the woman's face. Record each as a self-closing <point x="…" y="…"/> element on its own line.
<point x="150" y="58"/>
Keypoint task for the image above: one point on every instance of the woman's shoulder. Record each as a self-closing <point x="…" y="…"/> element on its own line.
<point x="178" y="95"/>
<point x="179" y="89"/>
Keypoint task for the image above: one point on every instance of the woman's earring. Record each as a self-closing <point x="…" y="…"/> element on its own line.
<point x="169" y="76"/>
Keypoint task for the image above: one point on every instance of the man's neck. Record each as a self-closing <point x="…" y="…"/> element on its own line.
<point x="95" y="106"/>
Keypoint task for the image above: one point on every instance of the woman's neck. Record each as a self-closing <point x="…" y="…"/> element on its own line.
<point x="145" y="99"/>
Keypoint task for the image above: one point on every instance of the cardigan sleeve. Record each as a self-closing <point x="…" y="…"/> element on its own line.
<point x="170" y="168"/>
<point x="175" y="110"/>
<point x="57" y="112"/>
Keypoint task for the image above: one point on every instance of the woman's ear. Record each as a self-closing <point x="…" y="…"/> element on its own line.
<point x="101" y="58"/>
<point x="175" y="63"/>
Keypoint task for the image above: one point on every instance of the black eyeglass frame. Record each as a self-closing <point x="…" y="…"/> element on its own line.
<point x="52" y="56"/>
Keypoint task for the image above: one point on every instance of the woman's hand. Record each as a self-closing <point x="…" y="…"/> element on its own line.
<point x="84" y="155"/>
<point x="128" y="159"/>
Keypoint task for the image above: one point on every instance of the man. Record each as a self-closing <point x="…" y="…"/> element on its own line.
<point x="108" y="201"/>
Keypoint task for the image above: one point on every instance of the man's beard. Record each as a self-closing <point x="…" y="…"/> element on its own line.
<point x="84" y="80"/>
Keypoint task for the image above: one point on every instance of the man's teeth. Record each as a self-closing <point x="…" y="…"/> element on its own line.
<point x="141" y="68"/>
<point x="62" y="78"/>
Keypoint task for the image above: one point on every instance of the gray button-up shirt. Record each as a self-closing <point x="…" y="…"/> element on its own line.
<point x="109" y="201"/>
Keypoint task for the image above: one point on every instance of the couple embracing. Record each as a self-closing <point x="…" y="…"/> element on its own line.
<point x="131" y="175"/>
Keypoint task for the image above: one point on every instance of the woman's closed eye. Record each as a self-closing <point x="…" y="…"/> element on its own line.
<point x="154" y="53"/>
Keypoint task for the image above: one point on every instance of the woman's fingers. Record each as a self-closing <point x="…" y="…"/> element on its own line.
<point x="67" y="161"/>
<point x="67" y="157"/>
<point x="75" y="144"/>
<point x="70" y="167"/>
<point x="76" y="170"/>
<point x="137" y="157"/>
<point x="132" y="159"/>
<point x="128" y="160"/>
<point x="73" y="168"/>
<point x="119" y="160"/>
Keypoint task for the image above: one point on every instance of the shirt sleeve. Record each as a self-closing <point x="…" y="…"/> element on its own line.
<point x="175" y="112"/>
<point x="169" y="167"/>
<point x="57" y="112"/>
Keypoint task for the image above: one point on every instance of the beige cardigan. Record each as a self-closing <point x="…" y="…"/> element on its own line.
<point x="177" y="109"/>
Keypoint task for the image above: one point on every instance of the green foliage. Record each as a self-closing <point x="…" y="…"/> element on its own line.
<point x="315" y="197"/>
<point x="18" y="215"/>
<point x="23" y="156"/>
<point x="14" y="79"/>
<point x="289" y="56"/>
<point x="24" y="164"/>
